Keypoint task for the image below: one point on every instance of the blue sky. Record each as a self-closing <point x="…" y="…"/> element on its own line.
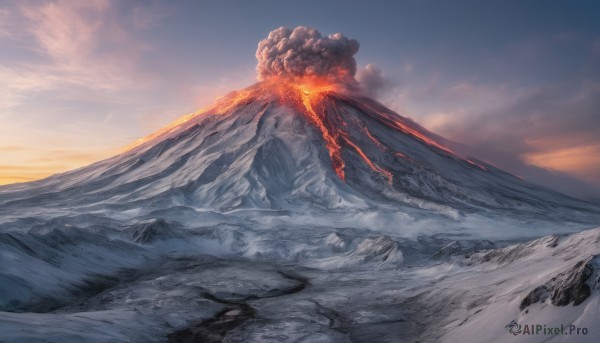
<point x="517" y="81"/>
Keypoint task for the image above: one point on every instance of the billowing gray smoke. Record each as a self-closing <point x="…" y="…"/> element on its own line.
<point x="304" y="53"/>
<point x="373" y="81"/>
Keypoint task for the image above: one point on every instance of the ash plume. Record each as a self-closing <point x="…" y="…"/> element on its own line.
<point x="302" y="53"/>
<point x="373" y="81"/>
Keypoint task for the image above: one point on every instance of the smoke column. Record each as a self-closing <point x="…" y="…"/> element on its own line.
<point x="303" y="54"/>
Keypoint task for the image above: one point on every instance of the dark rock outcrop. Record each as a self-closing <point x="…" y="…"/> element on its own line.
<point x="465" y="248"/>
<point x="539" y="294"/>
<point x="380" y="249"/>
<point x="152" y="231"/>
<point x="515" y="252"/>
<point x="571" y="286"/>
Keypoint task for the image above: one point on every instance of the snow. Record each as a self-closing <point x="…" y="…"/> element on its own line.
<point x="508" y="280"/>
<point x="238" y="219"/>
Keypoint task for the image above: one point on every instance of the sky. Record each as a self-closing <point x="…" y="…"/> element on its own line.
<point x="516" y="82"/>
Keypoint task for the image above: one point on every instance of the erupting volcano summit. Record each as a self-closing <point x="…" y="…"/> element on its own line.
<point x="304" y="136"/>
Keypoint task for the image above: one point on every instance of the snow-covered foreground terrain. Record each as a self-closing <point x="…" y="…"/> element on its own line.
<point x="159" y="281"/>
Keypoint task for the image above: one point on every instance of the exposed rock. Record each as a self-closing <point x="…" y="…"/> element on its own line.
<point x="336" y="242"/>
<point x="518" y="251"/>
<point x="571" y="286"/>
<point x="153" y="231"/>
<point x="538" y="295"/>
<point x="380" y="249"/>
<point x="466" y="248"/>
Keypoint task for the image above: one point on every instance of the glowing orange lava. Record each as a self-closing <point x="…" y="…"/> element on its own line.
<point x="308" y="96"/>
<point x="399" y="154"/>
<point x="374" y="140"/>
<point x="311" y="97"/>
<point x="476" y="164"/>
<point x="230" y="101"/>
<point x="165" y="130"/>
<point x="401" y="126"/>
<point x="388" y="175"/>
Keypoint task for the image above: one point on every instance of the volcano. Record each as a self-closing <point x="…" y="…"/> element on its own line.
<point x="295" y="210"/>
<point x="282" y="146"/>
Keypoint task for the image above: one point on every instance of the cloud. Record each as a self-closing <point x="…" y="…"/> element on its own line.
<point x="555" y="128"/>
<point x="546" y="132"/>
<point x="72" y="65"/>
<point x="304" y="53"/>
<point x="373" y="81"/>
<point x="75" y="62"/>
<point x="582" y="161"/>
<point x="72" y="48"/>
<point x="5" y="22"/>
<point x="86" y="42"/>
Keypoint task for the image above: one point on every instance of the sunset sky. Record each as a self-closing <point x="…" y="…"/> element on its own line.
<point x="516" y="81"/>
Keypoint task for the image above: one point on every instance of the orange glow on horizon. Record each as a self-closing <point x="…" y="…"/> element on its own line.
<point x="49" y="162"/>
<point x="313" y="99"/>
<point x="580" y="161"/>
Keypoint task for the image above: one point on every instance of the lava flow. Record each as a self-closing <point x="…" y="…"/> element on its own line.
<point x="313" y="99"/>
<point x="310" y="97"/>
<point x="307" y="97"/>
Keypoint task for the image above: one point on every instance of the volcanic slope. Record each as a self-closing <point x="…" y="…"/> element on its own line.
<point x="291" y="147"/>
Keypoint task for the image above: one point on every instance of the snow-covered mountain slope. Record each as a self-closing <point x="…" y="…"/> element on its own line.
<point x="260" y="149"/>
<point x="551" y="281"/>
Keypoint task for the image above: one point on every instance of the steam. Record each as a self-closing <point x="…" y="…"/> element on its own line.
<point x="373" y="81"/>
<point x="302" y="53"/>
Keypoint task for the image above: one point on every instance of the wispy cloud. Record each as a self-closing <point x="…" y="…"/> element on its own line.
<point x="538" y="131"/>
<point x="70" y="72"/>
<point x="78" y="46"/>
<point x="581" y="161"/>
